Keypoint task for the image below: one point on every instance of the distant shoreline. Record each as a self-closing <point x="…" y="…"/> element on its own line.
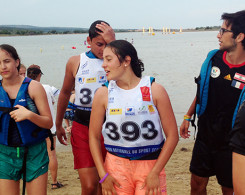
<point x="25" y="30"/>
<point x="177" y="31"/>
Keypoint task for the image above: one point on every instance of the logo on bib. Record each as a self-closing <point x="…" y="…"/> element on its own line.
<point x="116" y="111"/>
<point x="91" y="80"/>
<point x="129" y="111"/>
<point x="81" y="80"/>
<point x="142" y="110"/>
<point x="151" y="109"/>
<point x="102" y="79"/>
<point x="145" y="91"/>
<point x="215" y="72"/>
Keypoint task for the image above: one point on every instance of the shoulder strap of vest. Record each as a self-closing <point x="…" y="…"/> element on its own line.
<point x="204" y="82"/>
<point x="106" y="84"/>
<point x="239" y="103"/>
<point x="152" y="79"/>
<point x="204" y="73"/>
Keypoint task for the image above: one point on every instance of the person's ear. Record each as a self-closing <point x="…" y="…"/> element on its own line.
<point x="240" y="37"/>
<point x="89" y="40"/>
<point x="127" y="60"/>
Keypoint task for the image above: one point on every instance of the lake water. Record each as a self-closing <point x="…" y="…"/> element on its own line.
<point x="173" y="59"/>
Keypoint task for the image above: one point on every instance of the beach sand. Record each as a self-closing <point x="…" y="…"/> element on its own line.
<point x="177" y="171"/>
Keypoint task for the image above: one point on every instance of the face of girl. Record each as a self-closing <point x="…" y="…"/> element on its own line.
<point x="8" y="65"/>
<point x="112" y="66"/>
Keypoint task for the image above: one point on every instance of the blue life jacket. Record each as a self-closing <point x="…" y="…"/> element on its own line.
<point x="203" y="82"/>
<point x="29" y="132"/>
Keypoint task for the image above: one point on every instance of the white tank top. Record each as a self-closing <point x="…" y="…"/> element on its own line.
<point x="90" y="76"/>
<point x="132" y="128"/>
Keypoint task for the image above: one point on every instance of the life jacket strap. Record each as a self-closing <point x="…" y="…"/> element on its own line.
<point x="23" y="170"/>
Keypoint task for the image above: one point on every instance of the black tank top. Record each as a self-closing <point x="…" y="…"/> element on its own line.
<point x="14" y="138"/>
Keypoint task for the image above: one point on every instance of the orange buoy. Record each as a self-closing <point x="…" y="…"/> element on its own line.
<point x="88" y="46"/>
<point x="73" y="47"/>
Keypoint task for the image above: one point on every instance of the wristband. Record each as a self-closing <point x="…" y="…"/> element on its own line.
<point x="187" y="118"/>
<point x="103" y="179"/>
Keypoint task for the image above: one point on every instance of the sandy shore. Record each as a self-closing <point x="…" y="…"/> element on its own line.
<point x="177" y="170"/>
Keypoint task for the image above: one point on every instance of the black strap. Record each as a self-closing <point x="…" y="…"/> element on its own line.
<point x="194" y="115"/>
<point x="24" y="170"/>
<point x="51" y="139"/>
<point x="7" y="110"/>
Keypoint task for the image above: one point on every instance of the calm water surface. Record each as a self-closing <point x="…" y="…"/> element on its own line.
<point x="173" y="59"/>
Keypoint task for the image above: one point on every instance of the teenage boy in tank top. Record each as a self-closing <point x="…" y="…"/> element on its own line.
<point x="86" y="72"/>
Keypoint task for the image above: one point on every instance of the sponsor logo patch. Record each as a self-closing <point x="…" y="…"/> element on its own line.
<point x="84" y="65"/>
<point x="81" y="80"/>
<point x="129" y="111"/>
<point x="151" y="109"/>
<point x="237" y="84"/>
<point x="239" y="77"/>
<point x="111" y="100"/>
<point x="102" y="78"/>
<point x="91" y="80"/>
<point x="228" y="77"/>
<point x="115" y="111"/>
<point x="142" y="110"/>
<point x="215" y="72"/>
<point x="85" y="72"/>
<point x="145" y="91"/>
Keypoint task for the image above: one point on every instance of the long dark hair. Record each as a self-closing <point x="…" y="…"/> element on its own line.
<point x="121" y="49"/>
<point x="12" y="51"/>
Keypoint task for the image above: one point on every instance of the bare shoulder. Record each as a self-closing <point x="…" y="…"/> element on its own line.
<point x="35" y="88"/>
<point x="157" y="89"/>
<point x="74" y="59"/>
<point x="102" y="92"/>
<point x="73" y="63"/>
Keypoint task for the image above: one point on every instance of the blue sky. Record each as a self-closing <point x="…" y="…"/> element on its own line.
<point x="119" y="14"/>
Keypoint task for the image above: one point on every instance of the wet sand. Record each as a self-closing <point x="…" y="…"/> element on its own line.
<point x="177" y="170"/>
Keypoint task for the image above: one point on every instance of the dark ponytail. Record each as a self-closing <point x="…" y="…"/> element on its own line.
<point x="123" y="48"/>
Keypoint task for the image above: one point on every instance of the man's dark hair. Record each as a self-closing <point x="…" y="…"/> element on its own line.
<point x="93" y="30"/>
<point x="237" y="22"/>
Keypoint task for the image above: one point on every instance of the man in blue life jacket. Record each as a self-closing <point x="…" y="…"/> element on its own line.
<point x="219" y="95"/>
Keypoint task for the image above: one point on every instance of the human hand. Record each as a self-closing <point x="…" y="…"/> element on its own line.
<point x="107" y="33"/>
<point x="152" y="184"/>
<point x="184" y="132"/>
<point x="108" y="186"/>
<point x="20" y="114"/>
<point x="61" y="135"/>
<point x="68" y="129"/>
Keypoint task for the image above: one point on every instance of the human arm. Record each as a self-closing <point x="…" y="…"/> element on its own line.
<point x="237" y="144"/>
<point x="163" y="105"/>
<point x="95" y="127"/>
<point x="184" y="132"/>
<point x="68" y="83"/>
<point x="38" y="95"/>
<point x="238" y="172"/>
<point x="107" y="33"/>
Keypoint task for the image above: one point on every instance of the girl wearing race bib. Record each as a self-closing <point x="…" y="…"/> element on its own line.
<point x="140" y="131"/>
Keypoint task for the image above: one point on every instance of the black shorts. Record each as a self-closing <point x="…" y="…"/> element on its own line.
<point x="237" y="135"/>
<point x="207" y="162"/>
